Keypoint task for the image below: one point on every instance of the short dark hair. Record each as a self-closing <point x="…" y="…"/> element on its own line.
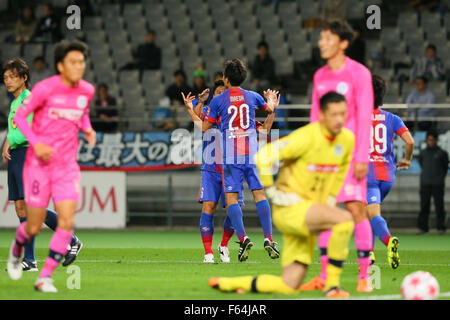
<point x="433" y="132"/>
<point x="330" y="97"/>
<point x="340" y="28"/>
<point x="423" y="78"/>
<point x="104" y="85"/>
<point x="379" y="90"/>
<point x="263" y="44"/>
<point x="179" y="72"/>
<point x="39" y="58"/>
<point x="235" y="71"/>
<point x="218" y="83"/>
<point x="65" y="46"/>
<point x="18" y="65"/>
<point x="431" y="46"/>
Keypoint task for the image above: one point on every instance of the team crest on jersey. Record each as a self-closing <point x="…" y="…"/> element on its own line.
<point x="82" y="102"/>
<point x="338" y="150"/>
<point x="342" y="88"/>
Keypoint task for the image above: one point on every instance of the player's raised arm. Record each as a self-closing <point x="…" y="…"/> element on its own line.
<point x="203" y="125"/>
<point x="202" y="97"/>
<point x="267" y="125"/>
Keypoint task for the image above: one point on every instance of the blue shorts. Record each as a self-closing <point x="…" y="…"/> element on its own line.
<point x="15" y="174"/>
<point x="233" y="177"/>
<point x="378" y="190"/>
<point x="211" y="189"/>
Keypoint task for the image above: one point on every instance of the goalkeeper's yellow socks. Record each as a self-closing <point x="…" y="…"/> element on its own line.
<point x="264" y="284"/>
<point x="337" y="252"/>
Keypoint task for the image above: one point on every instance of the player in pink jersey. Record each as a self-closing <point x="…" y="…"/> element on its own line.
<point x="354" y="81"/>
<point x="61" y="108"/>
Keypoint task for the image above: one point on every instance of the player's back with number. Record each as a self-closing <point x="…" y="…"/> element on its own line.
<point x="382" y="162"/>
<point x="236" y="110"/>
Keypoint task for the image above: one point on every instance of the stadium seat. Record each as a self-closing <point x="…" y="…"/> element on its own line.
<point x="413" y="37"/>
<point x="430" y="21"/>
<point x="154" y="12"/>
<point x="231" y="52"/>
<point x="117" y="38"/>
<point x="10" y="51"/>
<point x="396" y="52"/>
<point x="302" y="53"/>
<point x="92" y="23"/>
<point x="132" y="11"/>
<point x="95" y="36"/>
<point x="154" y="93"/>
<point x="114" y="24"/>
<point x="408" y="21"/>
<point x="309" y="10"/>
<point x="213" y="50"/>
<point x="356" y="10"/>
<point x="390" y="36"/>
<point x="31" y="51"/>
<point x="314" y="36"/>
<point x="285" y="66"/>
<point x="110" y="11"/>
<point x="122" y="55"/>
<point x="265" y="13"/>
<point x="288" y="9"/>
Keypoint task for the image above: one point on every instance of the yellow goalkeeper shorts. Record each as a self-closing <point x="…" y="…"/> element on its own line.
<point x="298" y="243"/>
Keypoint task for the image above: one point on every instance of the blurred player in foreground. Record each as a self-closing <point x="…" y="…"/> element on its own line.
<point x="382" y="167"/>
<point x="211" y="189"/>
<point x="16" y="76"/>
<point x="315" y="159"/>
<point x="354" y="81"/>
<point x="234" y="112"/>
<point x="61" y="108"/>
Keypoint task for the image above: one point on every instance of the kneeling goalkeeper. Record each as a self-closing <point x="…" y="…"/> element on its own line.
<point x="315" y="160"/>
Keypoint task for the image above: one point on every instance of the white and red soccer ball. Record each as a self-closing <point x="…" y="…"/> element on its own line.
<point x="420" y="285"/>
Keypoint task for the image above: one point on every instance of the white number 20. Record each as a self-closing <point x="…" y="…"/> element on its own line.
<point x="244" y="111"/>
<point x="378" y="134"/>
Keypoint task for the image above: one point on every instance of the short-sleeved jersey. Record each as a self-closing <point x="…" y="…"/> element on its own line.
<point x="15" y="136"/>
<point x="211" y="154"/>
<point x="60" y="112"/>
<point x="234" y="112"/>
<point x="314" y="164"/>
<point x="354" y="81"/>
<point x="382" y="162"/>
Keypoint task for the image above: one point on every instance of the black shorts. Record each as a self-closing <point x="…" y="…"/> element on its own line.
<point x="15" y="171"/>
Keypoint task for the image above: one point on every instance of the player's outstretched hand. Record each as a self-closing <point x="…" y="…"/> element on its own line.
<point x="43" y="151"/>
<point x="403" y="164"/>
<point x="202" y="97"/>
<point x="360" y="171"/>
<point x="91" y="137"/>
<point x="5" y="153"/>
<point x="188" y="101"/>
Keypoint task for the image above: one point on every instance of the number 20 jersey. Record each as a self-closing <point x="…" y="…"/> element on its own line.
<point x="382" y="163"/>
<point x="234" y="110"/>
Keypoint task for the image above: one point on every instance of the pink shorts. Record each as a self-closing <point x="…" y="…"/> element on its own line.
<point x="352" y="190"/>
<point x="43" y="180"/>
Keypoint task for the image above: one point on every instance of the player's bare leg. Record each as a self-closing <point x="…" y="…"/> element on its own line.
<point x="207" y="229"/>
<point x="265" y="217"/>
<point x="363" y="242"/>
<point x="26" y="231"/>
<point x="58" y="244"/>
<point x="381" y="230"/>
<point x="235" y="213"/>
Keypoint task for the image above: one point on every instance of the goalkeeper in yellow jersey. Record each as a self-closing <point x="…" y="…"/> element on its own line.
<point x="315" y="160"/>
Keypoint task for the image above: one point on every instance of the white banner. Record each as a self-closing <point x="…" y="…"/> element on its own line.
<point x="102" y="201"/>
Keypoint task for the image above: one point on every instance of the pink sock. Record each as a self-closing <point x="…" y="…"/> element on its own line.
<point x="363" y="241"/>
<point x="21" y="237"/>
<point x="323" y="239"/>
<point x="58" y="249"/>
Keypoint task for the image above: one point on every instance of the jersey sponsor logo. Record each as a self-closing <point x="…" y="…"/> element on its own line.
<point x="82" y="102"/>
<point x="342" y="88"/>
<point x="338" y="150"/>
<point x="69" y="114"/>
<point x="26" y="100"/>
<point x="373" y="198"/>
<point x="323" y="168"/>
<point x="13" y="123"/>
<point x="375" y="158"/>
<point x="349" y="190"/>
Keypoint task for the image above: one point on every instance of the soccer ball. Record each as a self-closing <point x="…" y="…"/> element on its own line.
<point x="420" y="285"/>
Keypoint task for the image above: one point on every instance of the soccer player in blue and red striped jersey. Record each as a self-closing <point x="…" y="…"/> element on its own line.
<point x="382" y="167"/>
<point x="211" y="189"/>
<point x="234" y="111"/>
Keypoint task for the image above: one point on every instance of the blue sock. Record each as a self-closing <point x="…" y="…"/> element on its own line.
<point x="380" y="229"/>
<point x="29" y="248"/>
<point x="264" y="215"/>
<point x="235" y="214"/>
<point x="207" y="231"/>
<point x="51" y="220"/>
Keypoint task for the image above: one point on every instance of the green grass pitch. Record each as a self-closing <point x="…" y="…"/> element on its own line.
<point x="163" y="265"/>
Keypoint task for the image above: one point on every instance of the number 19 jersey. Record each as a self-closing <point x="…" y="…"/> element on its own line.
<point x="382" y="163"/>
